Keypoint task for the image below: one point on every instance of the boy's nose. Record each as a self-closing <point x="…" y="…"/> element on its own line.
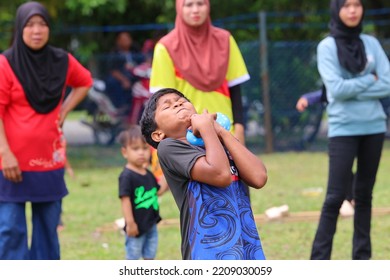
<point x="178" y="103"/>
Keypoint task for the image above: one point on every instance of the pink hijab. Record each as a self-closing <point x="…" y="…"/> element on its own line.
<point x="200" y="54"/>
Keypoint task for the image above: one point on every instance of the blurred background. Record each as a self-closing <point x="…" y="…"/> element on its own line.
<point x="278" y="40"/>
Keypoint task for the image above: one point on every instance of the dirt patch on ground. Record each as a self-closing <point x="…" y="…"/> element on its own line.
<point x="259" y="218"/>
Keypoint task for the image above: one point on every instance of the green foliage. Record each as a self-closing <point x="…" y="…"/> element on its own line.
<point x="168" y="12"/>
<point x="305" y="16"/>
<point x="86" y="7"/>
<point x="86" y="51"/>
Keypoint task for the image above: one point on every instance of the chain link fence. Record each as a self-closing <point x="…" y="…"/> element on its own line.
<point x="291" y="72"/>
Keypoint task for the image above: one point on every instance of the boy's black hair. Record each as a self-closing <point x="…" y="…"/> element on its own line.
<point x="132" y="133"/>
<point x="148" y="122"/>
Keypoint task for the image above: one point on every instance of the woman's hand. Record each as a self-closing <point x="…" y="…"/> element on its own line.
<point x="11" y="170"/>
<point x="62" y="117"/>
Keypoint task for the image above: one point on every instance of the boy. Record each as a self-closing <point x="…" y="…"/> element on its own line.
<point x="215" y="216"/>
<point x="138" y="191"/>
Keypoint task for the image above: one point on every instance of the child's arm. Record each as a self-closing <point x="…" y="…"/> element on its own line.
<point x="163" y="186"/>
<point x="127" y="210"/>
<point x="308" y="99"/>
<point x="251" y="169"/>
<point x="69" y="169"/>
<point x="214" y="167"/>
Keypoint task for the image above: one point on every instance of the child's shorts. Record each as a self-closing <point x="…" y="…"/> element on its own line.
<point x="144" y="246"/>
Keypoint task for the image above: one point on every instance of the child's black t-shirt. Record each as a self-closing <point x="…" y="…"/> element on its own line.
<point x="142" y="191"/>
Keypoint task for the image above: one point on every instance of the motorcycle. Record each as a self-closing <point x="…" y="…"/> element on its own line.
<point x="104" y="118"/>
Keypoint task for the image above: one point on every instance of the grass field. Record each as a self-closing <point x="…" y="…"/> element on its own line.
<point x="93" y="205"/>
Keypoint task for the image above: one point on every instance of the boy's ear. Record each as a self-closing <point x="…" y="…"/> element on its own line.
<point x="123" y="150"/>
<point x="158" y="135"/>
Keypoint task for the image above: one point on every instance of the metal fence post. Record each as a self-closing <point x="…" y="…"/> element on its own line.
<point x="264" y="77"/>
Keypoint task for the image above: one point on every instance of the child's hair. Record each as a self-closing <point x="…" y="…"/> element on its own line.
<point x="148" y="122"/>
<point x="131" y="134"/>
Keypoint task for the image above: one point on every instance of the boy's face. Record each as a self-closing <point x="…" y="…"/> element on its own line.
<point x="137" y="153"/>
<point x="173" y="117"/>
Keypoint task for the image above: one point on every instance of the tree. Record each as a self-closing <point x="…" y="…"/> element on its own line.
<point x="289" y="20"/>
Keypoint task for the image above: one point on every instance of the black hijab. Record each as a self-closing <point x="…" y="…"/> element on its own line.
<point x="41" y="73"/>
<point x="350" y="48"/>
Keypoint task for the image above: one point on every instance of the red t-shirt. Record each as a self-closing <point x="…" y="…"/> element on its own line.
<point x="35" y="139"/>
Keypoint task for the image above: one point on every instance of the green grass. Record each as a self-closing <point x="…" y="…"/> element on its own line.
<point x="93" y="205"/>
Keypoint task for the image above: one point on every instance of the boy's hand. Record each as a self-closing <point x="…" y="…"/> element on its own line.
<point x="202" y="121"/>
<point x="132" y="229"/>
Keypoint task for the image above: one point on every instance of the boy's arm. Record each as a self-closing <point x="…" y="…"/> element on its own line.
<point x="214" y="167"/>
<point x="251" y="169"/>
<point x="127" y="210"/>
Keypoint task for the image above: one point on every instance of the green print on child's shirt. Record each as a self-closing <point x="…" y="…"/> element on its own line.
<point x="146" y="199"/>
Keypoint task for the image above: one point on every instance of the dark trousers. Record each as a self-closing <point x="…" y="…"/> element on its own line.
<point x="367" y="150"/>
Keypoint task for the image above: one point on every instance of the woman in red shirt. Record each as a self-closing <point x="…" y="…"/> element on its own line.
<point x="33" y="79"/>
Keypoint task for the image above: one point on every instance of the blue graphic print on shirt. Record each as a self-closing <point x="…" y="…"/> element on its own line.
<point x="222" y="223"/>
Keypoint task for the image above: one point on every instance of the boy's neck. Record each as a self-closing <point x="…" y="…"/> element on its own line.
<point x="136" y="169"/>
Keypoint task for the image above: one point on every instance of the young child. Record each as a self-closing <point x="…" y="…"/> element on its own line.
<point x="216" y="219"/>
<point x="138" y="191"/>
